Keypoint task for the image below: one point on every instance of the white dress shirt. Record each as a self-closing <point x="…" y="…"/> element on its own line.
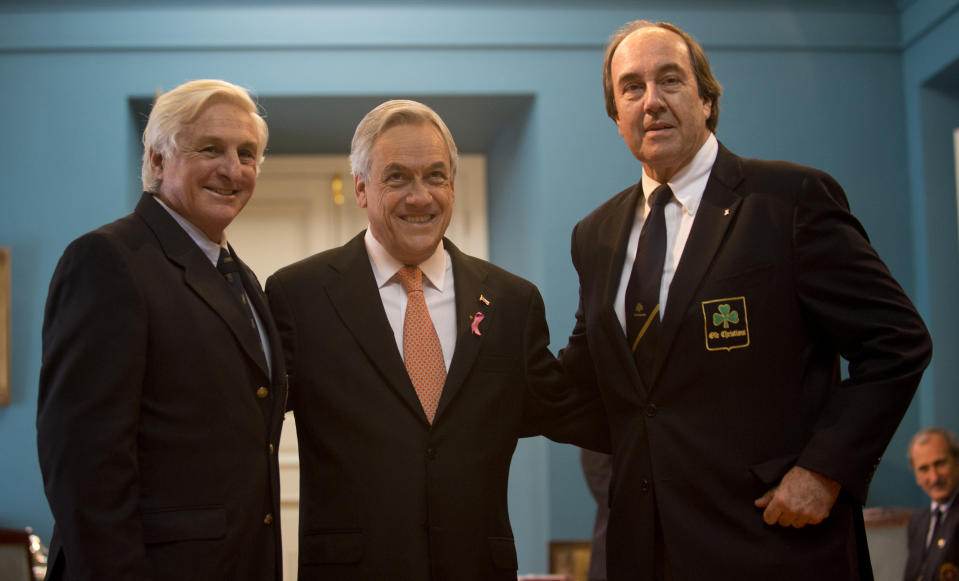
<point x="437" y="290"/>
<point x="688" y="186"/>
<point x="212" y="251"/>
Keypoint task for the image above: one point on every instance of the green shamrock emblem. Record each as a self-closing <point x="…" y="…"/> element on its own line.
<point x="724" y="317"/>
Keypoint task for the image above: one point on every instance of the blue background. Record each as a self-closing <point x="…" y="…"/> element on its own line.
<point x="866" y="90"/>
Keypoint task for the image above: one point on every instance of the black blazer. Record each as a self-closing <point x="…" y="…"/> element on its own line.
<point x="777" y="281"/>
<point x="383" y="494"/>
<point x="941" y="561"/>
<point x="157" y="420"/>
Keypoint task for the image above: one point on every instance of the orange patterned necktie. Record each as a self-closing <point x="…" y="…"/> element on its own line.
<point x="422" y="352"/>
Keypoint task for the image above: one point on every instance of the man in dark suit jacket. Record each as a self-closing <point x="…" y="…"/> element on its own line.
<point x="934" y="532"/>
<point x="161" y="392"/>
<point x="401" y="478"/>
<point x="737" y="451"/>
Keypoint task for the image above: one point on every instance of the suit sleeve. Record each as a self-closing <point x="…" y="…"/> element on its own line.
<point x="556" y="407"/>
<point x="860" y="311"/>
<point x="94" y="356"/>
<point x="576" y="359"/>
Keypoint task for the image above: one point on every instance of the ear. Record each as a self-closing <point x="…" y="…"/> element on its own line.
<point x="156" y="163"/>
<point x="359" y="190"/>
<point x="707" y="108"/>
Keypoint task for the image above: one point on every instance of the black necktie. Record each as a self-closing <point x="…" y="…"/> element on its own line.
<point x="231" y="271"/>
<point x="936" y="521"/>
<point x="642" y="291"/>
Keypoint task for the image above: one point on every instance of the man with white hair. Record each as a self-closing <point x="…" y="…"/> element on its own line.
<point x="162" y="389"/>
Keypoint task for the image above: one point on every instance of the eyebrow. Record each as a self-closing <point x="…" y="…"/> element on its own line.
<point x="391" y="167"/>
<point x="670" y="67"/>
<point x="218" y="140"/>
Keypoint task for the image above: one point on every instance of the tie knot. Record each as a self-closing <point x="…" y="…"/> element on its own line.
<point x="412" y="278"/>
<point x="660" y="196"/>
<point x="225" y="264"/>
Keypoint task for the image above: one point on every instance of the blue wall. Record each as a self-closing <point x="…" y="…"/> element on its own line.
<point x="858" y="94"/>
<point x="931" y="59"/>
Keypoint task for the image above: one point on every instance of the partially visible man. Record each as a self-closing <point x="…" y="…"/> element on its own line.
<point x="934" y="532"/>
<point x="717" y="296"/>
<point x="162" y="387"/>
<point x="413" y="370"/>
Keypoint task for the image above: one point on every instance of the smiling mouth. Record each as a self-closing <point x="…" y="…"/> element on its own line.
<point x="220" y="192"/>
<point x="417" y="219"/>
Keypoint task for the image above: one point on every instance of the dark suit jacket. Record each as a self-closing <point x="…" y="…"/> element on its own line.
<point x="597" y="468"/>
<point x="941" y="561"/>
<point x="156" y="440"/>
<point x="776" y="281"/>
<point x="383" y="494"/>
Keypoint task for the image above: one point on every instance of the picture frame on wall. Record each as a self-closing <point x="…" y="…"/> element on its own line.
<point x="4" y="326"/>
<point x="570" y="559"/>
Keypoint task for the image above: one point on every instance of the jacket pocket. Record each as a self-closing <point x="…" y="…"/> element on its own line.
<point x="189" y="524"/>
<point x="332" y="547"/>
<point x="503" y="551"/>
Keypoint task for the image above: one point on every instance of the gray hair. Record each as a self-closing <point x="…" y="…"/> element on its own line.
<point x="922" y="436"/>
<point x="174" y="110"/>
<point x="390" y="114"/>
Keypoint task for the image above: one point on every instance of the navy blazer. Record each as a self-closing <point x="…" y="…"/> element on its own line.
<point x="777" y="281"/>
<point x="940" y="562"/>
<point x="157" y="420"/>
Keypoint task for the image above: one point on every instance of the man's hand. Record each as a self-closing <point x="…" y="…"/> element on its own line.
<point x="802" y="498"/>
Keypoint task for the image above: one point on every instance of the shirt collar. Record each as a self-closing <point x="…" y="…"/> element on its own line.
<point x="210" y="248"/>
<point x="385" y="266"/>
<point x="945" y="505"/>
<point x="689" y="183"/>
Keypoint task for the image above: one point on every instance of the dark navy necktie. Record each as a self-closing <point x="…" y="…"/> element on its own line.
<point x="936" y="521"/>
<point x="230" y="270"/>
<point x="642" y="291"/>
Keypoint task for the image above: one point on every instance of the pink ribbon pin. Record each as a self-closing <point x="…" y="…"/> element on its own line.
<point x="476" y="321"/>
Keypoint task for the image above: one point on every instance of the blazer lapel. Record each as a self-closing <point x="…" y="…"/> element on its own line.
<point x="357" y="300"/>
<point x="201" y="276"/>
<point x="609" y="264"/>
<point x="716" y="213"/>
<point x="469" y="279"/>
<point x="278" y="365"/>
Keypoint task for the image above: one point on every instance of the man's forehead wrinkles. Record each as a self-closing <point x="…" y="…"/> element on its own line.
<point x="397" y="166"/>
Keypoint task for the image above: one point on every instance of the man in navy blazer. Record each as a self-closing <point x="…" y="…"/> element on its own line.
<point x="738" y="451"/>
<point x="934" y="531"/>
<point x="399" y="482"/>
<point x="162" y="387"/>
